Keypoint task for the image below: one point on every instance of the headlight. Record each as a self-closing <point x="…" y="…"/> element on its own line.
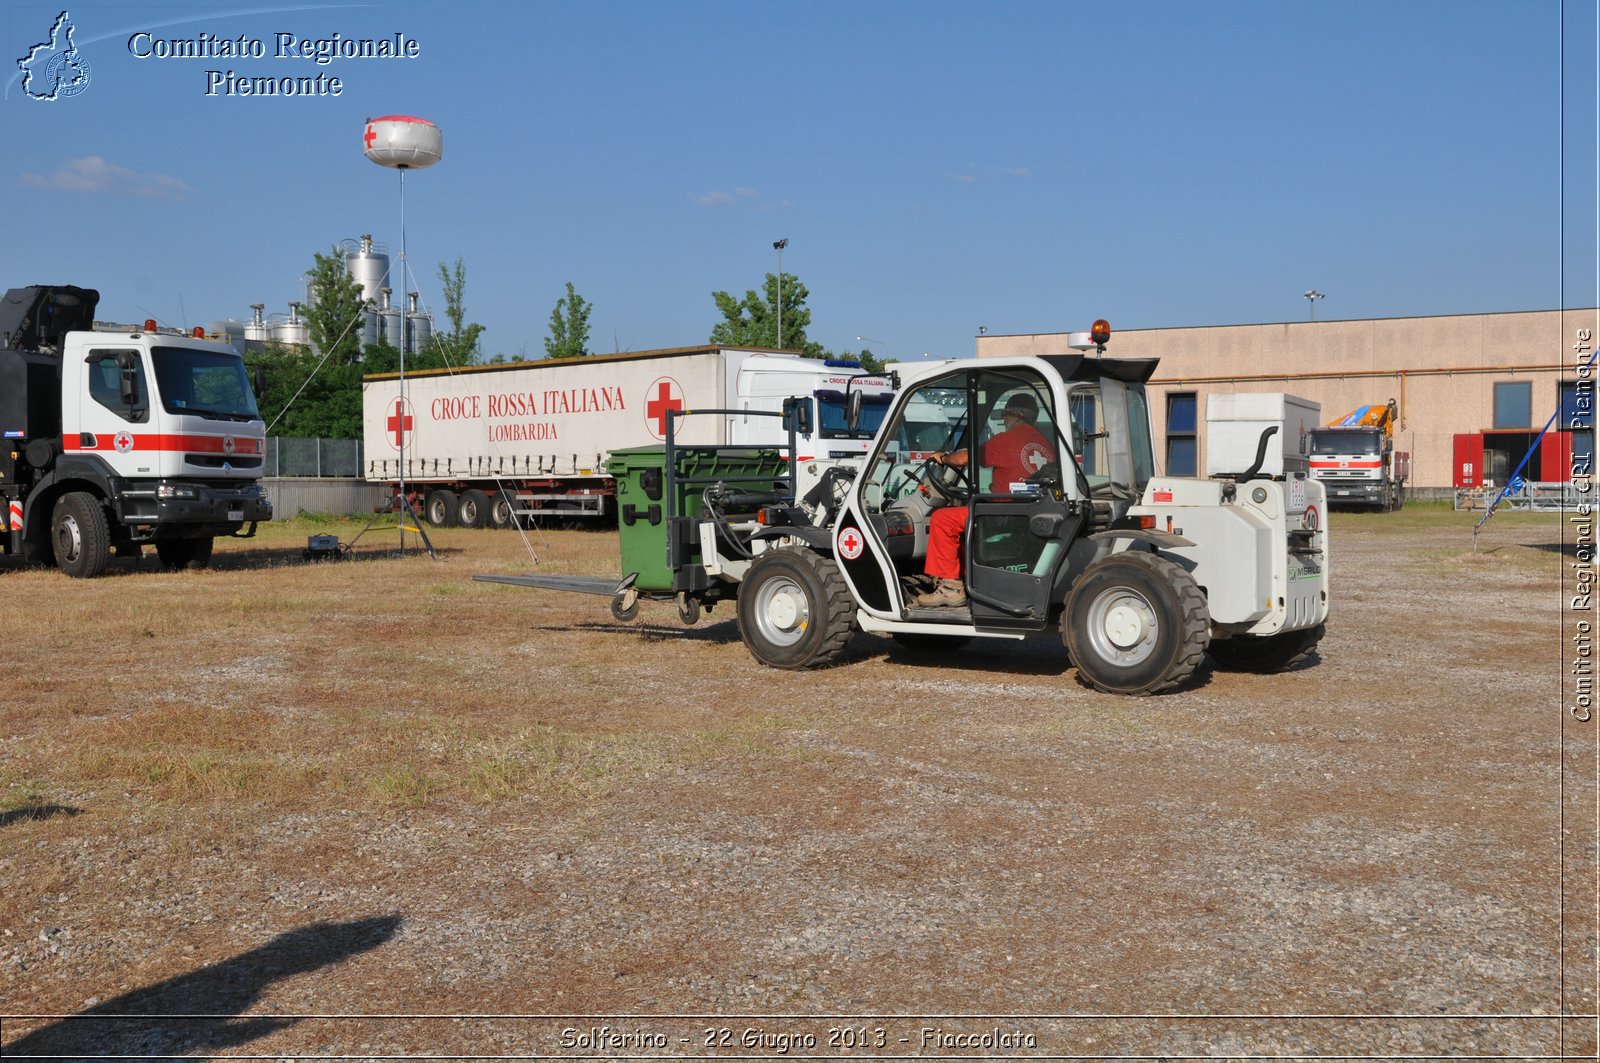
<point x="177" y="491"/>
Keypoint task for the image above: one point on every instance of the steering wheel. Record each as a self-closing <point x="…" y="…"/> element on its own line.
<point x="956" y="493"/>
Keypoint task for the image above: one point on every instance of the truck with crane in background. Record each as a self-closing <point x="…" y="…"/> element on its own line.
<point x="1355" y="458"/>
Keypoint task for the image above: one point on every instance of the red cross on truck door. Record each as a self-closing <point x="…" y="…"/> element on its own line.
<point x="663" y="394"/>
<point x="399" y="423"/>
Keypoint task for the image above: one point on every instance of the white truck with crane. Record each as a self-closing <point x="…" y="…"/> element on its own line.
<point x="1356" y="462"/>
<point x="117" y="439"/>
<point x="484" y="445"/>
<point x="1143" y="574"/>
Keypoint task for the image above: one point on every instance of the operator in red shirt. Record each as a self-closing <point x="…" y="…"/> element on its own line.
<point x="1014" y="454"/>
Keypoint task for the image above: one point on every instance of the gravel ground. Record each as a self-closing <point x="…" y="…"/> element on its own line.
<point x="972" y="855"/>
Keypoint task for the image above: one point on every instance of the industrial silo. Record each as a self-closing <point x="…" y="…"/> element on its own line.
<point x="420" y="324"/>
<point x="367" y="265"/>
<point x="257" y="330"/>
<point x="293" y="330"/>
<point x="391" y="319"/>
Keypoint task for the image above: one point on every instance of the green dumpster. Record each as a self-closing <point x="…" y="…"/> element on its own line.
<point x="644" y="514"/>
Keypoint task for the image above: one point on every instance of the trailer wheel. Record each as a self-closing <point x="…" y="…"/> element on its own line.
<point x="1135" y="623"/>
<point x="440" y="507"/>
<point x="473" y="509"/>
<point x="500" y="515"/>
<point x="179" y="554"/>
<point x="1266" y="654"/>
<point x="80" y="535"/>
<point x="794" y="609"/>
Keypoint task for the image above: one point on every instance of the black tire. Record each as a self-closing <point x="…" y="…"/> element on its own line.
<point x="179" y="554"/>
<point x="473" y="509"/>
<point x="1266" y="654"/>
<point x="794" y="609"/>
<point x="80" y="535"/>
<point x="625" y="607"/>
<point x="440" y="507"/>
<point x="928" y="645"/>
<point x="499" y="513"/>
<point x="1135" y="623"/>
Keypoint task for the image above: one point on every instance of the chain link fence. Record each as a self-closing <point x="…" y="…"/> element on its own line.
<point x="292" y="456"/>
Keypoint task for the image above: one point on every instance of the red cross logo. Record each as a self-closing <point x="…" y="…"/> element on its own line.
<point x="851" y="544"/>
<point x="369" y="136"/>
<point x="399" y="423"/>
<point x="655" y="410"/>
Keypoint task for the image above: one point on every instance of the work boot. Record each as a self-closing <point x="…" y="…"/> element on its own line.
<point x="947" y="592"/>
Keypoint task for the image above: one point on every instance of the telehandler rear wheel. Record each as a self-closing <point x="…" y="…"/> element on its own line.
<point x="1266" y="654"/>
<point x="794" y="609"/>
<point x="1135" y="623"/>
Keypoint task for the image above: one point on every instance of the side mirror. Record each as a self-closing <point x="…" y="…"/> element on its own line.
<point x="852" y="411"/>
<point x="797" y="415"/>
<point x="130" y="387"/>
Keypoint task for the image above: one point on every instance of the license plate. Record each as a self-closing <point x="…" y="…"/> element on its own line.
<point x="236" y="514"/>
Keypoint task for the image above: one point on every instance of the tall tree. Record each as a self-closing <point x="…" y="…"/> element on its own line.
<point x="569" y="326"/>
<point x="460" y="345"/>
<point x="753" y="320"/>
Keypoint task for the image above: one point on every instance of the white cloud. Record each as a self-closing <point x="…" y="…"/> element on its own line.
<point x="93" y="175"/>
<point x="719" y="198"/>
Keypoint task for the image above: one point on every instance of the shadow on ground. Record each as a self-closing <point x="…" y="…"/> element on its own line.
<point x="203" y="1011"/>
<point x="36" y="811"/>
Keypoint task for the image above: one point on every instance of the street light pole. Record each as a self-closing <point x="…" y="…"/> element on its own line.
<point x="1311" y="297"/>
<point x="778" y="246"/>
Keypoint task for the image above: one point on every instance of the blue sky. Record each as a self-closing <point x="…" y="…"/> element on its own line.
<point x="936" y="167"/>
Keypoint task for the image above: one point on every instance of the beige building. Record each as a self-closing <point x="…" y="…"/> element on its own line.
<point x="1491" y="379"/>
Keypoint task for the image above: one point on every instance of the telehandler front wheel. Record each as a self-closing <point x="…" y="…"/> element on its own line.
<point x="794" y="609"/>
<point x="1135" y="623"/>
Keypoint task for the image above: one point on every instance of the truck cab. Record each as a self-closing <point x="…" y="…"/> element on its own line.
<point x="120" y="438"/>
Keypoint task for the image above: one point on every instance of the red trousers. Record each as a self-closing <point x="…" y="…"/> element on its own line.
<point x="945" y="526"/>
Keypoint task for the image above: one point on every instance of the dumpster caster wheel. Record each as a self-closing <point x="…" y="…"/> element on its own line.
<point x="625" y="606"/>
<point x="688" y="609"/>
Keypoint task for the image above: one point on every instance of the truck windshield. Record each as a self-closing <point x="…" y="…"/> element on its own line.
<point x="831" y="405"/>
<point x="1347" y="441"/>
<point x="205" y="383"/>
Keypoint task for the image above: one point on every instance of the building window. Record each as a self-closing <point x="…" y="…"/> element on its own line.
<point x="1182" y="451"/>
<point x="1513" y="404"/>
<point x="1576" y="415"/>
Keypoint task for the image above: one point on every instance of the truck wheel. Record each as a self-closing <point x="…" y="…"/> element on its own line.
<point x="1266" y="654"/>
<point x="794" y="609"/>
<point x="179" y="554"/>
<point x="473" y="509"/>
<point x="440" y="508"/>
<point x="499" y="510"/>
<point x="80" y="535"/>
<point x="1135" y="623"/>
